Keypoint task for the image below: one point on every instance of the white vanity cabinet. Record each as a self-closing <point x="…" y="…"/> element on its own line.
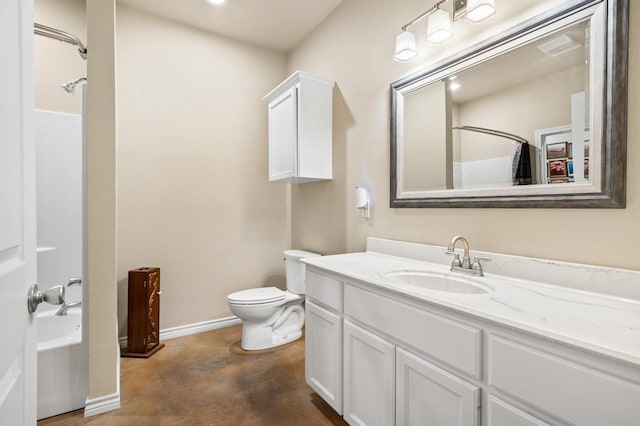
<point x="402" y="360"/>
<point x="323" y="337"/>
<point x="386" y="383"/>
<point x="300" y="129"/>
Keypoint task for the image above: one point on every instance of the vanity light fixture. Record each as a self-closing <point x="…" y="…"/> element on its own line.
<point x="479" y="10"/>
<point x="439" y="24"/>
<point x="405" y="47"/>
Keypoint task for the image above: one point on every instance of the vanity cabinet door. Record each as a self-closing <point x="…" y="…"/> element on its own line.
<point x="503" y="414"/>
<point x="323" y="354"/>
<point x="368" y="378"/>
<point x="428" y="395"/>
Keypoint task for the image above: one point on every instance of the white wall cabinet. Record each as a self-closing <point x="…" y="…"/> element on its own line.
<point x="407" y="362"/>
<point x="300" y="129"/>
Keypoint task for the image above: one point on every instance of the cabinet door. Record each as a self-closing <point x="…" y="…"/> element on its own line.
<point x="503" y="414"/>
<point x="428" y="395"/>
<point x="323" y="354"/>
<point x="283" y="136"/>
<point x="368" y="377"/>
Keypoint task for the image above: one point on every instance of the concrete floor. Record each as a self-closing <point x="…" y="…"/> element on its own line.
<point x="207" y="379"/>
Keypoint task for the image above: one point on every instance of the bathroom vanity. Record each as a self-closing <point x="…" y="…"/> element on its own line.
<point x="394" y="337"/>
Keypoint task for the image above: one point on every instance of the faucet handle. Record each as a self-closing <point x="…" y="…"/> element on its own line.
<point x="456" y="258"/>
<point x="476" y="266"/>
<point x="74" y="281"/>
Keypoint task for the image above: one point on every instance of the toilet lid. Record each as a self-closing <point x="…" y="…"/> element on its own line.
<point x="256" y="295"/>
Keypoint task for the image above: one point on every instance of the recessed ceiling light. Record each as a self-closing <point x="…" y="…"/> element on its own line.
<point x="217" y="2"/>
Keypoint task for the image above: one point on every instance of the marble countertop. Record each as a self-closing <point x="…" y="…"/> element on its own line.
<point x="596" y="322"/>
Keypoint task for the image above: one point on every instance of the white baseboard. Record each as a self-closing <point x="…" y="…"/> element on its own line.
<point x="102" y="404"/>
<point x="185" y="330"/>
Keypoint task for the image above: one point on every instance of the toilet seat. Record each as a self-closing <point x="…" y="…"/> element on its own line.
<point x="256" y="296"/>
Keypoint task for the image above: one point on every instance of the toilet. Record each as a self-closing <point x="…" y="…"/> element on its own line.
<point x="272" y="317"/>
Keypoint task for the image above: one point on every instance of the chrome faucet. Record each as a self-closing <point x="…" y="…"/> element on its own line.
<point x="66" y="306"/>
<point x="74" y="281"/>
<point x="465" y="266"/>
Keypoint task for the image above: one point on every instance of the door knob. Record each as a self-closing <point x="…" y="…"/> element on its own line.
<point x="53" y="296"/>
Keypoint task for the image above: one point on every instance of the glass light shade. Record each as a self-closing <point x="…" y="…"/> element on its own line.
<point x="479" y="10"/>
<point x="439" y="26"/>
<point x="405" y="47"/>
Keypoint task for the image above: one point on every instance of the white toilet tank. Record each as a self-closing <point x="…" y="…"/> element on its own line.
<point x="294" y="269"/>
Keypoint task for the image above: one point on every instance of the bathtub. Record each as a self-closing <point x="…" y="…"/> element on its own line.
<point x="62" y="369"/>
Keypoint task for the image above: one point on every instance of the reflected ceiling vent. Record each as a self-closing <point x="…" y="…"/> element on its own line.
<point x="559" y="45"/>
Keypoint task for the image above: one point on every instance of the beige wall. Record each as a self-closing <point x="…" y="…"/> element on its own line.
<point x="55" y="62"/>
<point x="101" y="199"/>
<point x="426" y="165"/>
<point x="193" y="192"/>
<point x="354" y="47"/>
<point x="539" y="104"/>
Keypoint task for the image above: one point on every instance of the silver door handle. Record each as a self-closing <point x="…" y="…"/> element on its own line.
<point x="53" y="296"/>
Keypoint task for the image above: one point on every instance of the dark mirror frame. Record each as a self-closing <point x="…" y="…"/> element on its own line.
<point x="614" y="119"/>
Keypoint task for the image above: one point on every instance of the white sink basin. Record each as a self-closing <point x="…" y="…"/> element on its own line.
<point x="436" y="281"/>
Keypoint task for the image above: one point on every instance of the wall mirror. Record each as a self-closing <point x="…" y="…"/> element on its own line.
<point x="534" y="118"/>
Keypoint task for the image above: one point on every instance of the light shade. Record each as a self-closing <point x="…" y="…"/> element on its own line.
<point x="405" y="47"/>
<point x="439" y="26"/>
<point x="479" y="10"/>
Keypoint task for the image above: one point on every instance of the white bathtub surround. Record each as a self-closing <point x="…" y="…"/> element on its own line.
<point x="62" y="367"/>
<point x="62" y="346"/>
<point x="500" y="349"/>
<point x="59" y="178"/>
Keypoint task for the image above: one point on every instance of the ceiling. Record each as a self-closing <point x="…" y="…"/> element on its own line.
<point x="275" y="24"/>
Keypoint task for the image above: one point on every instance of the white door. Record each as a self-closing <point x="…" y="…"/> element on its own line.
<point x="17" y="215"/>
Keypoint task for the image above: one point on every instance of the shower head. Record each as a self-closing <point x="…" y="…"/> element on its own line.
<point x="71" y="86"/>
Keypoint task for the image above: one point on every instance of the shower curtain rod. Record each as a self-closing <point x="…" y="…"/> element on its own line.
<point x="493" y="132"/>
<point x="59" y="35"/>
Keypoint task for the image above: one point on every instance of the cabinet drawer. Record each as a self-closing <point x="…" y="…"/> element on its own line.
<point x="575" y="393"/>
<point x="324" y="290"/>
<point x="451" y="342"/>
